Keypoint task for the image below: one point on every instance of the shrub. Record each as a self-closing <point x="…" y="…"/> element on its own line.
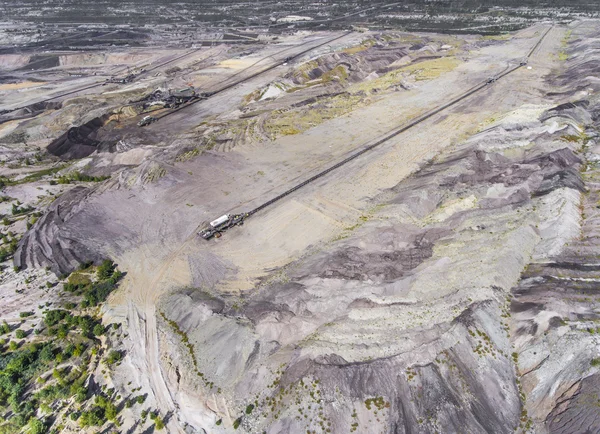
<point x="20" y="334"/>
<point x="4" y="328"/>
<point x="25" y="314"/>
<point x="158" y="423"/>
<point x="595" y="362"/>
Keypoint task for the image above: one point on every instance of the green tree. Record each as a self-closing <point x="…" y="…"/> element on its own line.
<point x="98" y="330"/>
<point x="20" y="334"/>
<point x="36" y="426"/>
<point x="110" y="410"/>
<point x="79" y="349"/>
<point x="4" y="328"/>
<point x="47" y="353"/>
<point x="105" y="270"/>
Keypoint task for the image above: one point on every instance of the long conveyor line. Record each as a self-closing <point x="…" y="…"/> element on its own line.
<point x="239" y="218"/>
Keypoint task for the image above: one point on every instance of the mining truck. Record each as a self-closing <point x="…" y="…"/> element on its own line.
<point x="146" y="121"/>
<point x="217" y="226"/>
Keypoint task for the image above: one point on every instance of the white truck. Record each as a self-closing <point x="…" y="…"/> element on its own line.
<point x="147" y="120"/>
<point x="217" y="226"/>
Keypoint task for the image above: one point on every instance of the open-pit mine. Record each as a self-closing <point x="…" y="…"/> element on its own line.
<point x="335" y="219"/>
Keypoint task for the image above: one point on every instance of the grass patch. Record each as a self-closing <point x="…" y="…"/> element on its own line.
<point x="296" y="121"/>
<point x="365" y="45"/>
<point x="562" y="54"/>
<point x="33" y="177"/>
<point x="430" y="69"/>
<point x="78" y="177"/>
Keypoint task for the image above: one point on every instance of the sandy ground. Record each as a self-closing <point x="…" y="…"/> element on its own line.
<point x="21" y="85"/>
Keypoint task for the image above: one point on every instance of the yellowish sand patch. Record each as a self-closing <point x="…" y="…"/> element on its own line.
<point x="426" y="70"/>
<point x="503" y="37"/>
<point x="292" y="122"/>
<point x="358" y="48"/>
<point x="22" y="85"/>
<point x="237" y="63"/>
<point x="430" y="69"/>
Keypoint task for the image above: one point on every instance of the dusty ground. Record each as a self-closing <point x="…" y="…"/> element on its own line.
<point x="399" y="265"/>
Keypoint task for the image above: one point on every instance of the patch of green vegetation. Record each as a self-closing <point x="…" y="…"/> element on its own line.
<point x="379" y="403"/>
<point x="158" y="423"/>
<point x="33" y="177"/>
<point x="114" y="357"/>
<point x="186" y="156"/>
<point x="562" y="54"/>
<point x="16" y="210"/>
<point x="365" y="45"/>
<point x="34" y="378"/>
<point x="103" y="410"/>
<point x="571" y="138"/>
<point x="298" y="120"/>
<point x="78" y="177"/>
<point x="95" y="292"/>
<point x="79" y="279"/>
<point x="595" y="362"/>
<point x="9" y="246"/>
<point x="338" y="73"/>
